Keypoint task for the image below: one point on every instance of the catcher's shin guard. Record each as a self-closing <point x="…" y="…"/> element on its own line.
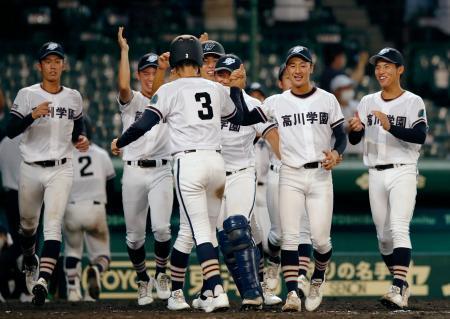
<point x="239" y="235"/>
<point x="227" y="251"/>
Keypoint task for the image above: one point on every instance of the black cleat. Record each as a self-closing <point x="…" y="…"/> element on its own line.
<point x="93" y="280"/>
<point x="40" y="292"/>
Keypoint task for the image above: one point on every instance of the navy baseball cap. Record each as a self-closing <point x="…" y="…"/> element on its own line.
<point x="213" y="48"/>
<point x="229" y="62"/>
<point x="149" y="59"/>
<point x="281" y="71"/>
<point x="388" y="54"/>
<point x="299" y="51"/>
<point x="50" y="48"/>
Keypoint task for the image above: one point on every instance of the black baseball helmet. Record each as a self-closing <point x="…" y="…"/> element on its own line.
<point x="185" y="48"/>
<point x="211" y="47"/>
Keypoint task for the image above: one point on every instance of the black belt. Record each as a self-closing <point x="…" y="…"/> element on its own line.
<point x="50" y="163"/>
<point x="311" y="165"/>
<point x="148" y="163"/>
<point x="192" y="151"/>
<point x="260" y="183"/>
<point x="386" y="166"/>
<point x="229" y="173"/>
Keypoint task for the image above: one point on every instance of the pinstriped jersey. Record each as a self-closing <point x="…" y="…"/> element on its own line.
<point x="380" y="146"/>
<point x="154" y="144"/>
<point x="305" y="124"/>
<point x="237" y="141"/>
<point x="48" y="137"/>
<point x="193" y="108"/>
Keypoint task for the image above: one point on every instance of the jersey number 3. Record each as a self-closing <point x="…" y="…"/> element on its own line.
<point x="88" y="161"/>
<point x="206" y="113"/>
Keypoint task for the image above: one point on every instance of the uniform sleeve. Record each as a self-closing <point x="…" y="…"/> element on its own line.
<point x="79" y="106"/>
<point x="160" y="104"/>
<point x="110" y="173"/>
<point x="21" y="106"/>
<point x="417" y="113"/>
<point x="268" y="108"/>
<point x="263" y="128"/>
<point x="126" y="107"/>
<point x="228" y="108"/>
<point x="336" y="116"/>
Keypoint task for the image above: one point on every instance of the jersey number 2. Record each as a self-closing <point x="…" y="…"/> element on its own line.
<point x="88" y="161"/>
<point x="206" y="113"/>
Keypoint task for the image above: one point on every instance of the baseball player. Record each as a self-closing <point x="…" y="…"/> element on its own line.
<point x="393" y="123"/>
<point x="85" y="218"/>
<point x="147" y="179"/>
<point x="50" y="116"/>
<point x="274" y="235"/>
<point x="307" y="118"/>
<point x="212" y="51"/>
<point x="193" y="106"/>
<point x="239" y="196"/>
<point x="179" y="258"/>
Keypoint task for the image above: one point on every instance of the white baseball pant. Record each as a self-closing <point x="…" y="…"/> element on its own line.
<point x="48" y="185"/>
<point x="86" y="220"/>
<point x="143" y="188"/>
<point x="309" y="190"/>
<point x="392" y="195"/>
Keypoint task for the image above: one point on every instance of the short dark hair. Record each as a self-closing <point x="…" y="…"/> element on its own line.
<point x="186" y="63"/>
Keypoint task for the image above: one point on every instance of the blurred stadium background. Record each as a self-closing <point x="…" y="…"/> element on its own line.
<point x="260" y="32"/>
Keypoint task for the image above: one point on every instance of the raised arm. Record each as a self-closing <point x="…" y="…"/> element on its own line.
<point x="243" y="116"/>
<point x="125" y="93"/>
<point x="163" y="65"/>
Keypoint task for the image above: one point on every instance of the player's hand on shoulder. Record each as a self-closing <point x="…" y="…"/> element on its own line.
<point x="82" y="144"/>
<point x="121" y="40"/>
<point x="331" y="159"/>
<point x="355" y="124"/>
<point x="114" y="149"/>
<point x="41" y="110"/>
<point x="238" y="77"/>
<point x="382" y="117"/>
<point x="163" y="61"/>
<point x="203" y="37"/>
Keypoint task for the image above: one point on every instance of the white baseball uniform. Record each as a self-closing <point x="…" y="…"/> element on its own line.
<point x="48" y="138"/>
<point x="193" y="108"/>
<point x="239" y="155"/>
<point x="305" y="127"/>
<point x="144" y="187"/>
<point x="85" y="214"/>
<point x="392" y="192"/>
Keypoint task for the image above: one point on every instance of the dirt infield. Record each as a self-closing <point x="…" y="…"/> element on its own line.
<point x="340" y="308"/>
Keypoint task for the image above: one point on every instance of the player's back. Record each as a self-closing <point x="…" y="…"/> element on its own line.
<point x="193" y="108"/>
<point x="91" y="171"/>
